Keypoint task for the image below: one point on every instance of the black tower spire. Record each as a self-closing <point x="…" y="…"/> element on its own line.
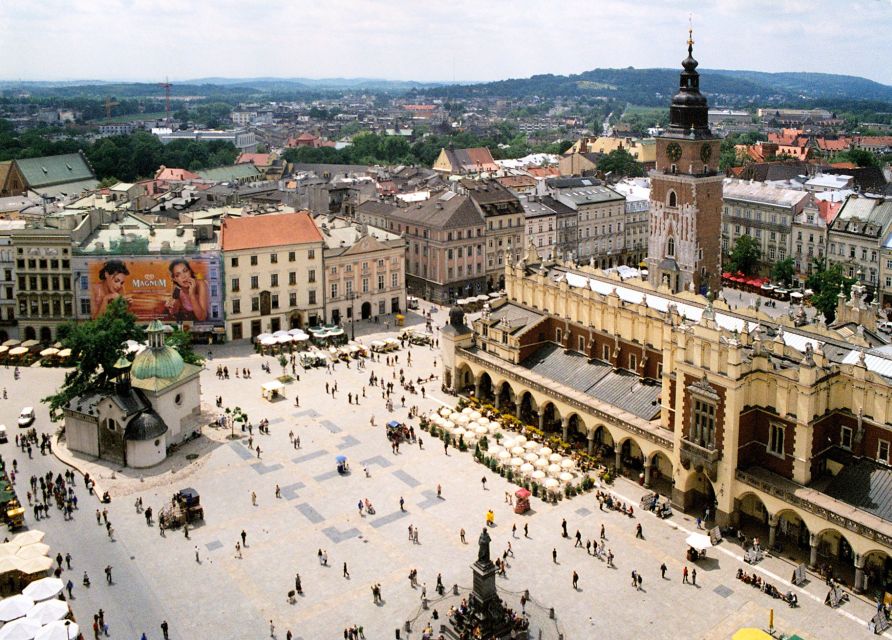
<point x="689" y="112"/>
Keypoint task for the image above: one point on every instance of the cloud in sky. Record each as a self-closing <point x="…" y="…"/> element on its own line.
<point x="422" y="40"/>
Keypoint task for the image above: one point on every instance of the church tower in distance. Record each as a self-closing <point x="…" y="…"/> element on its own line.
<point x="684" y="245"/>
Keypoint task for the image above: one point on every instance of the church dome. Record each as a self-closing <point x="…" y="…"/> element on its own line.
<point x="163" y="362"/>
<point x="147" y="425"/>
<point x="159" y="360"/>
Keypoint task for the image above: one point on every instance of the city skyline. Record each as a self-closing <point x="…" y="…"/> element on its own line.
<point x="465" y="41"/>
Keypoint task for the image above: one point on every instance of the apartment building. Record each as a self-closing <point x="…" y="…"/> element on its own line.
<point x="273" y="273"/>
<point x="856" y="235"/>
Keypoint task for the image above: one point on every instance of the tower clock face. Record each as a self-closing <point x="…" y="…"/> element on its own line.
<point x="673" y="150"/>
<point x="705" y="153"/>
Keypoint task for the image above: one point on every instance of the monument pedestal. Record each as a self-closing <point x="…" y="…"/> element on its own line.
<point x="487" y="609"/>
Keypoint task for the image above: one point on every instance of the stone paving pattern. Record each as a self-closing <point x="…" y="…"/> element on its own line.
<point x="226" y="597"/>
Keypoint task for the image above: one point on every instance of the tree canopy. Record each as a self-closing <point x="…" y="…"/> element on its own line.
<point x="783" y="271"/>
<point x="620" y="162"/>
<point x="95" y="345"/>
<point x="827" y="283"/>
<point x="745" y="256"/>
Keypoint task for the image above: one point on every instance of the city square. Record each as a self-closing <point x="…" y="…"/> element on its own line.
<point x="202" y="588"/>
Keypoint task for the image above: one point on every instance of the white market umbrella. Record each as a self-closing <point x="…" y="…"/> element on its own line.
<point x="445" y="412"/>
<point x="472" y="426"/>
<point x="475" y="415"/>
<point x="31" y="566"/>
<point x="15" y="607"/>
<point x="268" y="342"/>
<point x="459" y="432"/>
<point x="283" y="339"/>
<point x="545" y="452"/>
<point x="58" y="631"/>
<point x="504" y="455"/>
<point x="28" y="537"/>
<point x="277" y="334"/>
<point x="552" y="483"/>
<point x="553" y="470"/>
<point x="516" y="462"/>
<point x="8" y="549"/>
<point x="555" y="458"/>
<point x="508" y="443"/>
<point x="481" y="430"/>
<point x="526" y="468"/>
<point x="483" y="420"/>
<point x="494" y="450"/>
<point x="34" y="550"/>
<point x="530" y="446"/>
<point x="567" y="463"/>
<point x="467" y="411"/>
<point x="541" y="463"/>
<point x="531" y="457"/>
<point x="519" y="440"/>
<point x="44" y="589"/>
<point x="22" y="629"/>
<point x="698" y="541"/>
<point x="9" y="563"/>
<point x="538" y="475"/>
<point x="565" y="477"/>
<point x="48" y="611"/>
<point x="518" y="451"/>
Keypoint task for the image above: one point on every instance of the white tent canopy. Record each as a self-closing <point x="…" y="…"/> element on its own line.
<point x="698" y="541"/>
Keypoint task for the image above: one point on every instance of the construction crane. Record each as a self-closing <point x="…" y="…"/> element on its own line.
<point x="109" y="103"/>
<point x="166" y="85"/>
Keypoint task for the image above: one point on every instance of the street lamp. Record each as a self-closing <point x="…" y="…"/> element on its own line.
<point x="351" y="297"/>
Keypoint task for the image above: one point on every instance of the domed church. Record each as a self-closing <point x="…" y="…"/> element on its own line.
<point x="156" y="403"/>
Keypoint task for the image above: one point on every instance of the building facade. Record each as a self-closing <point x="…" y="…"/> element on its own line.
<point x="765" y="424"/>
<point x="504" y="216"/>
<point x="763" y="212"/>
<point x="364" y="270"/>
<point x="856" y="236"/>
<point x="684" y="250"/>
<point x="272" y="266"/>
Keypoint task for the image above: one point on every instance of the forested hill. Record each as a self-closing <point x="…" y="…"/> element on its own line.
<point x="653" y="86"/>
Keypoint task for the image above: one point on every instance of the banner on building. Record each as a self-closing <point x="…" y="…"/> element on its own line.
<point x="181" y="289"/>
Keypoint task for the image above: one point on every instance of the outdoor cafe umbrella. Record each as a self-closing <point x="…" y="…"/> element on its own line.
<point x="15" y="607"/>
<point x="538" y="475"/>
<point x="28" y="537"/>
<point x="58" y="630"/>
<point x="51" y="351"/>
<point x="33" y="550"/>
<point x="504" y="455"/>
<point x="698" y="541"/>
<point x="65" y="353"/>
<point x="552" y="483"/>
<point x="23" y="629"/>
<point x="48" y="611"/>
<point x="32" y="566"/>
<point x="12" y="342"/>
<point x="18" y="351"/>
<point x="4" y="349"/>
<point x="43" y="589"/>
<point x="263" y="336"/>
<point x="268" y="342"/>
<point x="30" y="343"/>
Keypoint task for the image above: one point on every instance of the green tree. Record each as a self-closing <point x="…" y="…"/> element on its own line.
<point x="783" y="271"/>
<point x="95" y="345"/>
<point x="182" y="342"/>
<point x="827" y="283"/>
<point x="620" y="162"/>
<point x="745" y="255"/>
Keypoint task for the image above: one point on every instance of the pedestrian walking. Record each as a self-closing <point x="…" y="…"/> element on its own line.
<point x="68" y="560"/>
<point x="197" y="559"/>
<point x="638" y="531"/>
<point x="554" y="555"/>
<point x="402" y="504"/>
<point x="253" y="498"/>
<point x="483" y="482"/>
<point x="238" y="550"/>
<point x="278" y="491"/>
<point x="578" y="539"/>
<point x="564" y="528"/>
<point x="694" y="576"/>
<point x="663" y="570"/>
<point x="526" y="530"/>
<point x="244" y="538"/>
<point x="514" y="530"/>
<point x="164" y="630"/>
<point x="684" y="576"/>
<point x="461" y="535"/>
<point x="439" y="492"/>
<point x="272" y="629"/>
<point x="346" y="573"/>
<point x="603" y="533"/>
<point x="575" y="581"/>
<point x="70" y="587"/>
<point x="108" y="573"/>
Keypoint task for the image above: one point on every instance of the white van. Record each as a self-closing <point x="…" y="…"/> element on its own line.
<point x="26" y="418"/>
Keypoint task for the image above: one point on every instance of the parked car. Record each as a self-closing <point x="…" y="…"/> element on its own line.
<point x="3" y="438"/>
<point x="26" y="417"/>
<point x="885" y="326"/>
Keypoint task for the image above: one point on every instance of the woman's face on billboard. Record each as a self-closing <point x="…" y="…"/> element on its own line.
<point x="182" y="275"/>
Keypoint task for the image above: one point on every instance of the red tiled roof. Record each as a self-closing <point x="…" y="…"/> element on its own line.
<point x="172" y="173"/>
<point x="516" y="181"/>
<point x="840" y="144"/>
<point x="843" y="165"/>
<point x="306" y="136"/>
<point x="269" y="230"/>
<point x="544" y="172"/>
<point x="828" y="210"/>
<point x="257" y="159"/>
<point x="879" y="141"/>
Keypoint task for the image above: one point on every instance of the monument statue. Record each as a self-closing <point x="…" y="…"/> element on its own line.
<point x="483" y="550"/>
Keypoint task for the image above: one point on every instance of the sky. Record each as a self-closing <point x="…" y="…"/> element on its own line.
<point x="465" y="40"/>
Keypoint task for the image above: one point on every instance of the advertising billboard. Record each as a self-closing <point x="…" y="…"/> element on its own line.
<point x="178" y="289"/>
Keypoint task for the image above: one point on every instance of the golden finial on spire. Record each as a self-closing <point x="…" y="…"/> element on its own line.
<point x="690" y="30"/>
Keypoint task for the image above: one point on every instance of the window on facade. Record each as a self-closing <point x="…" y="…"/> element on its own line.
<point x="394" y="279"/>
<point x="670" y="247"/>
<point x="311" y="294"/>
<point x="776" y="440"/>
<point x="558" y="336"/>
<point x="581" y="344"/>
<point x="883" y="451"/>
<point x="85" y="306"/>
<point x="253" y="261"/>
<point x="605" y="352"/>
<point x="255" y="282"/>
<point x="274" y="258"/>
<point x="292" y="278"/>
<point x="703" y="428"/>
<point x="255" y="304"/>
<point x="633" y="362"/>
<point x="311" y="254"/>
<point x="292" y="256"/>
<point x="673" y="199"/>
<point x="292" y="299"/>
<point x="235" y="284"/>
<point x="274" y="301"/>
<point x="365" y="285"/>
<point x="311" y="275"/>
<point x="334" y="289"/>
<point x="845" y="438"/>
<point x="274" y="279"/>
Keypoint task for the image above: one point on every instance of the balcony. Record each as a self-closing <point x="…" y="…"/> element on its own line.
<point x="700" y="458"/>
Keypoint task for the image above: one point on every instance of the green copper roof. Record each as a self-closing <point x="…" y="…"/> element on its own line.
<point x="155" y="325"/>
<point x="53" y="170"/>
<point x="122" y="363"/>
<point x="163" y="362"/>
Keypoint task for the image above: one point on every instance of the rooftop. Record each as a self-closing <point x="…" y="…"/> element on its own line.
<point x="761" y="193"/>
<point x="269" y="230"/>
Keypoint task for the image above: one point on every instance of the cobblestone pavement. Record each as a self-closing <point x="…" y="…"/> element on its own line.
<point x="224" y="596"/>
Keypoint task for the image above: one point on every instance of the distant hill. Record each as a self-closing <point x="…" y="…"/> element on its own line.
<point x="654" y="86"/>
